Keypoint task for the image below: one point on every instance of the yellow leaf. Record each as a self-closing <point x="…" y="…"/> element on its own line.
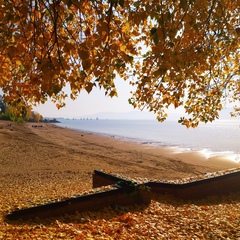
<point x="18" y="62"/>
<point x="126" y="28"/>
<point x="123" y="48"/>
<point x="113" y="93"/>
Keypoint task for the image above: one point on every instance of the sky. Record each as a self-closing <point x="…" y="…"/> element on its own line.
<point x="96" y="104"/>
<point x="91" y="105"/>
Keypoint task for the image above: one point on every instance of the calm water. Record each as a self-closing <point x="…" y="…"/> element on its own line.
<point x="218" y="138"/>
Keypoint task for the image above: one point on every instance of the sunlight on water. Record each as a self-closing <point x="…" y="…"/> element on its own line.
<point x="227" y="154"/>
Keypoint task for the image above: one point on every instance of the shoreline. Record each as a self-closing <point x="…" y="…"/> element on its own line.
<point x="52" y="149"/>
<point x="157" y="154"/>
<point x="206" y="152"/>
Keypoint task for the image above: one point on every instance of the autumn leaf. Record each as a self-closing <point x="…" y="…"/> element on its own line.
<point x="89" y="87"/>
<point x="18" y="62"/>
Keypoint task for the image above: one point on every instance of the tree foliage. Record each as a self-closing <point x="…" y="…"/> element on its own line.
<point x="11" y="112"/>
<point x="178" y="52"/>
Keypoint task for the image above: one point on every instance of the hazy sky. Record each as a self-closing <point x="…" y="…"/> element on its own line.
<point x="88" y="104"/>
<point x="96" y="102"/>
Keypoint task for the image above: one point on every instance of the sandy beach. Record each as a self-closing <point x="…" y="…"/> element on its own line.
<point x="48" y="162"/>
